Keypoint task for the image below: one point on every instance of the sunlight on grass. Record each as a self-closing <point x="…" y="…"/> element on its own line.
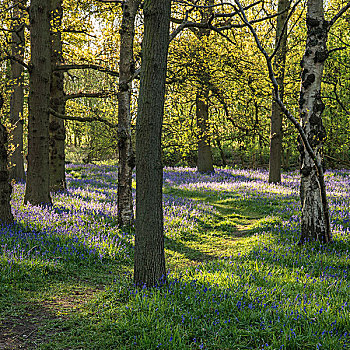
<point x="236" y="278"/>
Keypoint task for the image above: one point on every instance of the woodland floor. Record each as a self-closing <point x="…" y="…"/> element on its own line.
<point x="237" y="280"/>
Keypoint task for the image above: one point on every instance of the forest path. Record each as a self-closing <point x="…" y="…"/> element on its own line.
<point x="228" y="230"/>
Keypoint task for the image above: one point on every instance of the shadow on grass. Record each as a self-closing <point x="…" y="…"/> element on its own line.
<point x="45" y="278"/>
<point x="217" y="305"/>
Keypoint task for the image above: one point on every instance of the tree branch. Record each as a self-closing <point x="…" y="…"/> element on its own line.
<point x="81" y="119"/>
<point x="111" y="1"/>
<point x="67" y="67"/>
<point x="277" y="97"/>
<point x="284" y="29"/>
<point x="14" y="58"/>
<point x="338" y="15"/>
<point x="76" y="31"/>
<point x="101" y="94"/>
<point x="288" y="114"/>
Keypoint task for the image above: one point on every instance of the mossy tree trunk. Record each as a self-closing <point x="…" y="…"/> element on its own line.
<point x="125" y="149"/>
<point x="276" y="112"/>
<point x="17" y="96"/>
<point x="57" y="103"/>
<point x="149" y="266"/>
<point x="38" y="175"/>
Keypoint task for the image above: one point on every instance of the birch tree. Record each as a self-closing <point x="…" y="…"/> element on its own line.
<point x="315" y="221"/>
<point x="125" y="149"/>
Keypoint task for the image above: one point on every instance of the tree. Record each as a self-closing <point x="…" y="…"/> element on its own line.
<point x="5" y="187"/>
<point x="276" y="113"/>
<point x="57" y="131"/>
<point x="205" y="159"/>
<point x="149" y="268"/>
<point x="315" y="222"/>
<point x="125" y="150"/>
<point x="38" y="176"/>
<point x="17" y="95"/>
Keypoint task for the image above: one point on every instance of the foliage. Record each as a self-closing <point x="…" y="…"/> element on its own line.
<point x="240" y="92"/>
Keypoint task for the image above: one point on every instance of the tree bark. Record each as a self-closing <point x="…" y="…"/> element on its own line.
<point x="57" y="130"/>
<point x="38" y="175"/>
<point x="315" y="224"/>
<point x="125" y="150"/>
<point x="276" y="113"/>
<point x="149" y="266"/>
<point x="5" y="186"/>
<point x="17" y="96"/>
<point x="205" y="158"/>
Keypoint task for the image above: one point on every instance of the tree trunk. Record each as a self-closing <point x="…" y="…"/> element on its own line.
<point x="17" y="96"/>
<point x="276" y="113"/>
<point x="57" y="131"/>
<point x="125" y="150"/>
<point x="222" y="153"/>
<point x="205" y="158"/>
<point x="38" y="175"/>
<point x="315" y="224"/>
<point x="5" y="187"/>
<point x="149" y="266"/>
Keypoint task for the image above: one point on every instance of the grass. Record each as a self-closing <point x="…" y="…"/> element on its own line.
<point x="236" y="278"/>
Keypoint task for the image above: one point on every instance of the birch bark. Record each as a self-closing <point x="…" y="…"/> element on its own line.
<point x="315" y="224"/>
<point x="125" y="149"/>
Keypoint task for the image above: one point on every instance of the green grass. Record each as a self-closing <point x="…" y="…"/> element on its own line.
<point x="236" y="281"/>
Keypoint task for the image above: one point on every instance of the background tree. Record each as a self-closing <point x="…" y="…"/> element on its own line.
<point x="276" y="113"/>
<point x="37" y="189"/>
<point x="204" y="160"/>
<point x="149" y="267"/>
<point x="57" y="102"/>
<point x="5" y="187"/>
<point x="17" y="96"/>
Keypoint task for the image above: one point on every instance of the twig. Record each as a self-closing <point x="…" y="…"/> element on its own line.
<point x="339" y="14"/>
